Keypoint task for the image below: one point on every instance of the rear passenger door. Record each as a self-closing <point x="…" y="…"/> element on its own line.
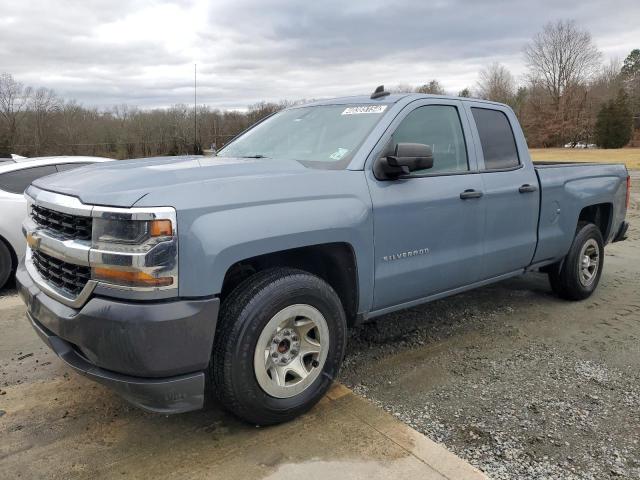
<point x="510" y="188"/>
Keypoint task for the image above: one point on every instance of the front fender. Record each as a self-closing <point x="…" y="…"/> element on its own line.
<point x="216" y="240"/>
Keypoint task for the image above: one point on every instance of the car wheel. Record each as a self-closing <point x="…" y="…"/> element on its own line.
<point x="6" y="264"/>
<point x="279" y="344"/>
<point x="578" y="275"/>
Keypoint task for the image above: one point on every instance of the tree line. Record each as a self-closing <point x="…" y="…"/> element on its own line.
<point x="39" y="122"/>
<point x="567" y="96"/>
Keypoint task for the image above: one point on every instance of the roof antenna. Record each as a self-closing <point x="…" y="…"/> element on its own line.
<point x="379" y="93"/>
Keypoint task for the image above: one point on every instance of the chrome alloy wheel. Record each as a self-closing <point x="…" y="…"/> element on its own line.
<point x="589" y="262"/>
<point x="291" y="350"/>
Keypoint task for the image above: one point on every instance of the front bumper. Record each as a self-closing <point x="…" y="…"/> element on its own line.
<point x="152" y="354"/>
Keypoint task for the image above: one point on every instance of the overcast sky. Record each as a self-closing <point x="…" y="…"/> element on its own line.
<point x="142" y="52"/>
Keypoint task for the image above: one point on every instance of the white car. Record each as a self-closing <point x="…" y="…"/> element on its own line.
<point x="15" y="176"/>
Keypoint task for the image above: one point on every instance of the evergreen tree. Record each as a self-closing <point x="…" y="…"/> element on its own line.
<point x="613" y="125"/>
<point x="631" y="65"/>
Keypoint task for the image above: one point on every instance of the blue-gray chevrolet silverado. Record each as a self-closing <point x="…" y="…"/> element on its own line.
<point x="239" y="274"/>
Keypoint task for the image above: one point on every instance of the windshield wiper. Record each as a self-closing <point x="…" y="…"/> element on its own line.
<point x="254" y="156"/>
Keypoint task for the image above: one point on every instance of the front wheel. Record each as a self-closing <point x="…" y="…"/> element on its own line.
<point x="577" y="277"/>
<point x="279" y="344"/>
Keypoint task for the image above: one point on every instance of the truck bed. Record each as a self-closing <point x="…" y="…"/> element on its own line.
<point x="565" y="189"/>
<point x="548" y="163"/>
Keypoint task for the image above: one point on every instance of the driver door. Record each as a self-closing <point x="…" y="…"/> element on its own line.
<point x="429" y="226"/>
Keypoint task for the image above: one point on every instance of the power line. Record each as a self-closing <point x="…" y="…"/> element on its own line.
<point x="195" y="108"/>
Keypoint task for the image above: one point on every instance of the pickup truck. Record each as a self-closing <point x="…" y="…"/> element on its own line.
<point x="177" y="279"/>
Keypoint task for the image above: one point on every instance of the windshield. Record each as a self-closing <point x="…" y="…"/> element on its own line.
<point x="330" y="134"/>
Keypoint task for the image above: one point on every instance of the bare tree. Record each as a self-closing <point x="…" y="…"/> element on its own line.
<point x="496" y="83"/>
<point x="14" y="98"/>
<point x="403" y="88"/>
<point x="630" y="73"/>
<point x="432" y="87"/>
<point x="43" y="103"/>
<point x="561" y="57"/>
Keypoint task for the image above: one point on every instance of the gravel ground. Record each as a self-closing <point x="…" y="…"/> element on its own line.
<point x="514" y="380"/>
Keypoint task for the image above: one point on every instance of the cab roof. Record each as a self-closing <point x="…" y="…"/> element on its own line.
<point x="390" y="99"/>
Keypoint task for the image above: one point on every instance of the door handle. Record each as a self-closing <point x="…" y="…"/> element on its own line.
<point x="526" y="188"/>
<point x="470" y="193"/>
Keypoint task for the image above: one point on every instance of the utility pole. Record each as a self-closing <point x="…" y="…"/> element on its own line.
<point x="195" y="109"/>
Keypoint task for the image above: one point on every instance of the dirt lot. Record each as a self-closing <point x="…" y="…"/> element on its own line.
<point x="514" y="380"/>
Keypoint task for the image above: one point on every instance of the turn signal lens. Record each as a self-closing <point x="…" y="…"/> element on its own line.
<point x="160" y="228"/>
<point x="129" y="278"/>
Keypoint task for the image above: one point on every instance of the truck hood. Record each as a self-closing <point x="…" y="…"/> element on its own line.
<point x="123" y="183"/>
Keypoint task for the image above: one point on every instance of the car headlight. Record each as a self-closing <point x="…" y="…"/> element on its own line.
<point x="137" y="235"/>
<point x="134" y="248"/>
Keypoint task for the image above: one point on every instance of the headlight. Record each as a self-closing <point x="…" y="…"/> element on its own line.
<point x="135" y="248"/>
<point x="143" y="234"/>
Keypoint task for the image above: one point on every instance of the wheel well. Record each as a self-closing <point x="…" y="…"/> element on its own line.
<point x="599" y="215"/>
<point x="14" y="257"/>
<point x="335" y="263"/>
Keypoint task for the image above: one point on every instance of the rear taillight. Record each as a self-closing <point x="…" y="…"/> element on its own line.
<point x="628" y="190"/>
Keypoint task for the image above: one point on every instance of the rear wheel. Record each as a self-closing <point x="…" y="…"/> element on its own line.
<point x="577" y="277"/>
<point x="279" y="344"/>
<point x="6" y="264"/>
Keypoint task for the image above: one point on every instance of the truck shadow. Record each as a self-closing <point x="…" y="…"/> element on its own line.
<point x="458" y="314"/>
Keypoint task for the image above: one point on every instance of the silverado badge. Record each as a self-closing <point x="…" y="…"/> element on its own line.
<point x="410" y="253"/>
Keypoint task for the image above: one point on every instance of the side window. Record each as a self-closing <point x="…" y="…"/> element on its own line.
<point x="63" y="167"/>
<point x="17" y="181"/>
<point x="496" y="137"/>
<point x="438" y="126"/>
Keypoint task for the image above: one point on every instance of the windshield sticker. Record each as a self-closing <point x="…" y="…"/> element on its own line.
<point x="364" y="109"/>
<point x="338" y="154"/>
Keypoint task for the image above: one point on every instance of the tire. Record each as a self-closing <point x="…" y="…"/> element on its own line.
<point x="246" y="342"/>
<point x="6" y="264"/>
<point x="572" y="279"/>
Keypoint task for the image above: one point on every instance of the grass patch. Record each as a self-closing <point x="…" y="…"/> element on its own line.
<point x="629" y="156"/>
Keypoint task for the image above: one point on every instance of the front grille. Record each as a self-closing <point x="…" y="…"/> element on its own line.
<point x="64" y="224"/>
<point x="66" y="276"/>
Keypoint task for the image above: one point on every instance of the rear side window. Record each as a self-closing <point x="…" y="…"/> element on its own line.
<point x="18" y="180"/>
<point x="497" y="140"/>
<point x="63" y="167"/>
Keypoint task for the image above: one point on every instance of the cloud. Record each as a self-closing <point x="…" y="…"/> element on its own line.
<point x="142" y="51"/>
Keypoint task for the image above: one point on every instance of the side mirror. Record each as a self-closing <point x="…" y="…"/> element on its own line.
<point x="406" y="158"/>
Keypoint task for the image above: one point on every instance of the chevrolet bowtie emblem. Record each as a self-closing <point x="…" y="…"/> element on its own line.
<point x="33" y="240"/>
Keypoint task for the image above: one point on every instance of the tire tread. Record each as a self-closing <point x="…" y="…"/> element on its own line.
<point x="562" y="278"/>
<point x="229" y="329"/>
